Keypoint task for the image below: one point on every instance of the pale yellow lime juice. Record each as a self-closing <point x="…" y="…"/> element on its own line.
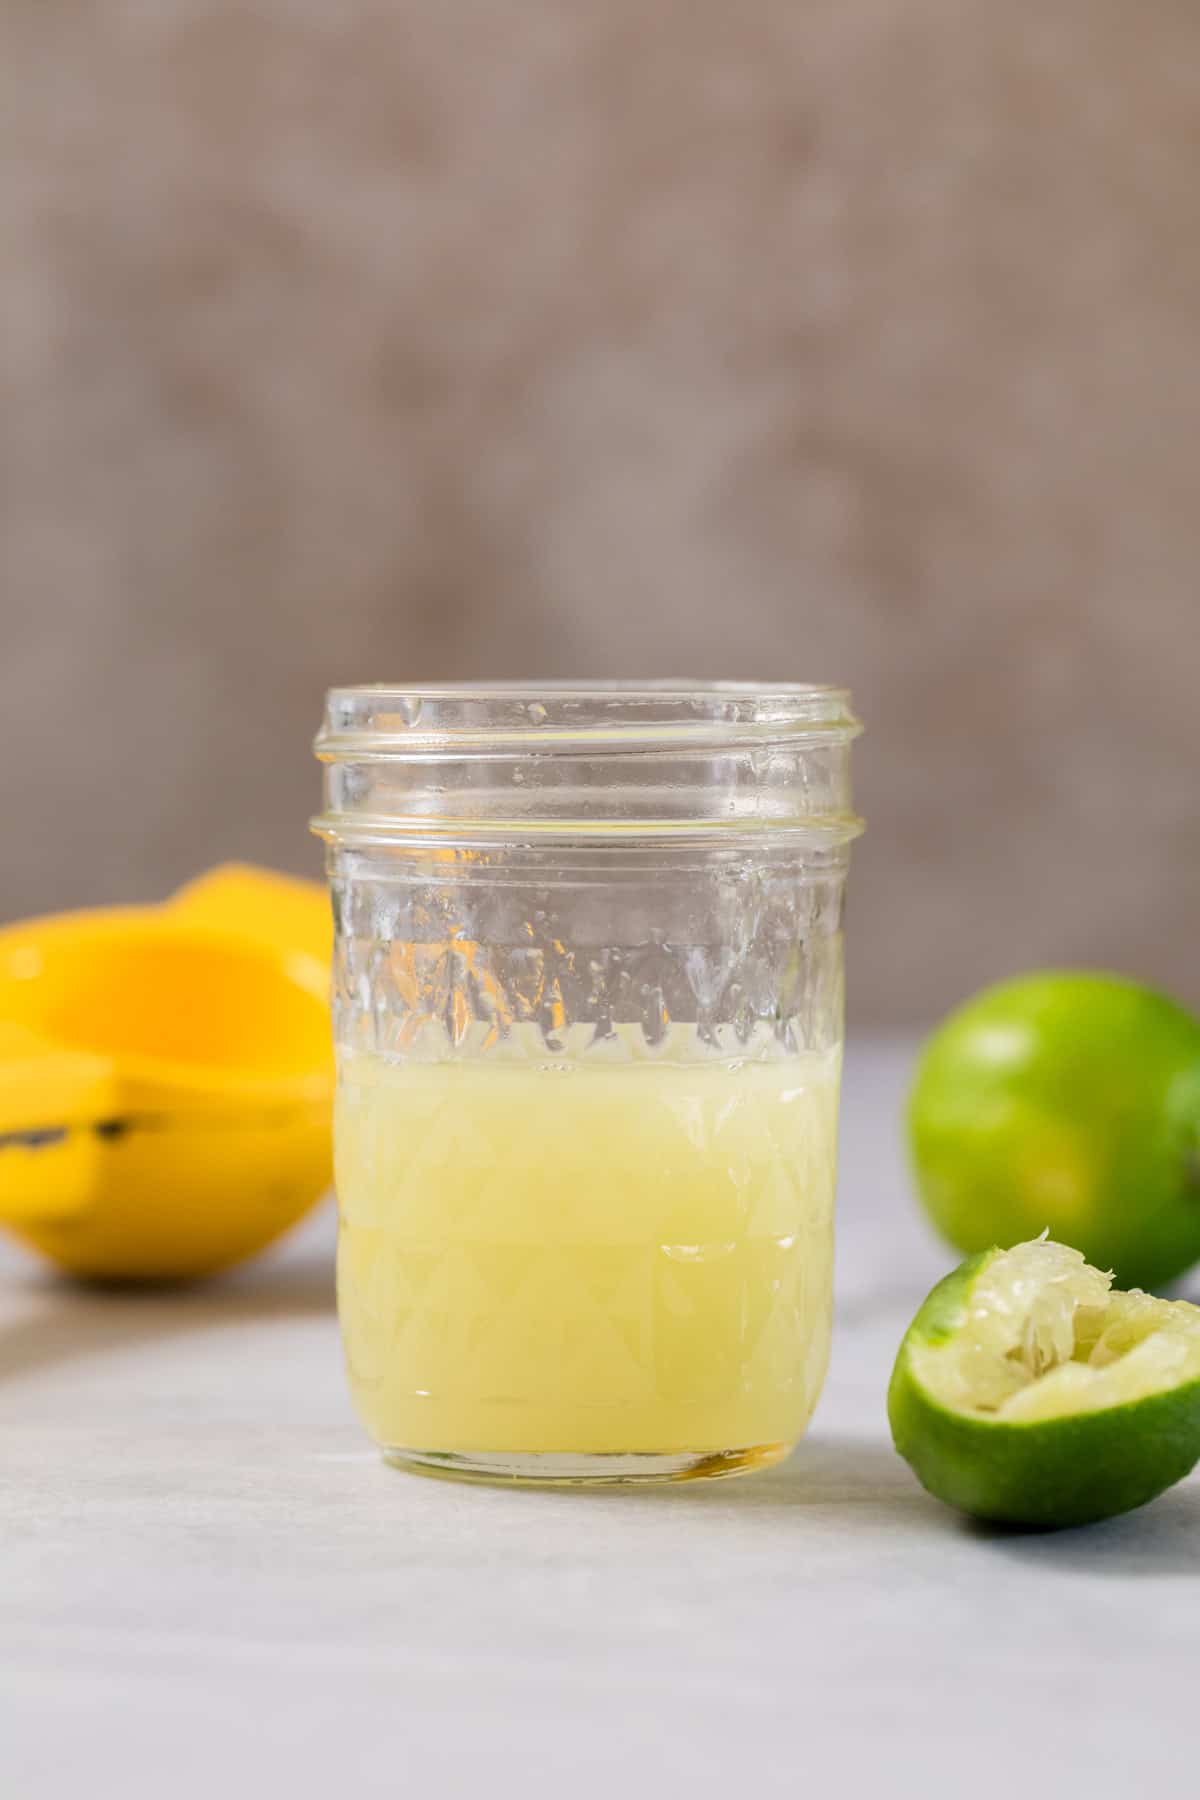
<point x="625" y="1253"/>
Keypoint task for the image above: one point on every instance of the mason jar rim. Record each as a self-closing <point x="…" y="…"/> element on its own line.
<point x="595" y="762"/>
<point x="543" y="717"/>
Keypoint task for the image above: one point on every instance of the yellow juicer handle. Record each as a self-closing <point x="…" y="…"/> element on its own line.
<point x="55" y="1106"/>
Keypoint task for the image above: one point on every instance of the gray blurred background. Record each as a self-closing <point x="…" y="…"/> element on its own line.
<point x="856" y="340"/>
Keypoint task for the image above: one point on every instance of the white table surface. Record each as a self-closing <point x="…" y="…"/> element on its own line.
<point x="211" y="1586"/>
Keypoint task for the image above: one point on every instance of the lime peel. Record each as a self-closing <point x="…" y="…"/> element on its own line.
<point x="1027" y="1390"/>
<point x="1071" y="1100"/>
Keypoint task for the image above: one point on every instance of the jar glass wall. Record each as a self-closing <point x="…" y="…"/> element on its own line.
<point x="588" y="1012"/>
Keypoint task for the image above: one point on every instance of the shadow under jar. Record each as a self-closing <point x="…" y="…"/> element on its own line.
<point x="588" y="1010"/>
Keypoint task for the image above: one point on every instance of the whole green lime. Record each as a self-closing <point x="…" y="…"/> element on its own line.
<point x="1070" y="1103"/>
<point x="1026" y="1392"/>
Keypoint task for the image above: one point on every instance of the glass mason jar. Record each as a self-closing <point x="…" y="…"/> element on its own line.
<point x="588" y="1010"/>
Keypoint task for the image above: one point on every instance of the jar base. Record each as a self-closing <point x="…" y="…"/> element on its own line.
<point x="505" y="1469"/>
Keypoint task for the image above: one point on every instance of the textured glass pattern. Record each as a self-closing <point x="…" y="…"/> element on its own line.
<point x="427" y="966"/>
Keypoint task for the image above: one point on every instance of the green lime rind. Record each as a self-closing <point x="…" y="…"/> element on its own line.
<point x="1070" y="1101"/>
<point x="1045" y="1474"/>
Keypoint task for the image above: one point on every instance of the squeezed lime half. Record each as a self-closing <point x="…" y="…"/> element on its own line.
<point x="1030" y="1392"/>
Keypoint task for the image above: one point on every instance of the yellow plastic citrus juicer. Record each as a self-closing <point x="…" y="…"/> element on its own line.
<point x="166" y="1076"/>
